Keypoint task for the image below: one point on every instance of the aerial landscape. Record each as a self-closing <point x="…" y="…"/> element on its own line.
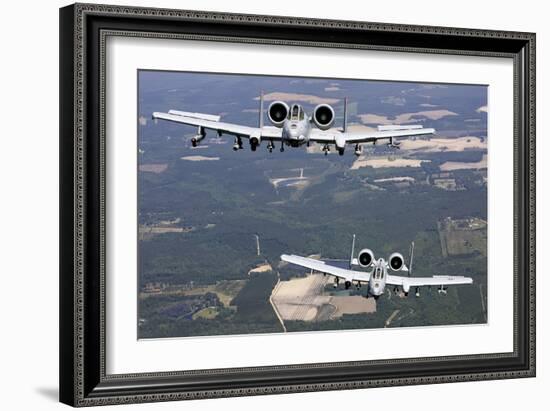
<point x="214" y="222"/>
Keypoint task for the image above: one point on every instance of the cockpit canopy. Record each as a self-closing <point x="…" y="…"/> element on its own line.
<point x="378" y="273"/>
<point x="296" y="113"/>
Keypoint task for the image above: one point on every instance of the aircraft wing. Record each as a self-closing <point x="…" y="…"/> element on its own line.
<point x="340" y="139"/>
<point x="436" y="280"/>
<point x="321" y="266"/>
<point x="212" y="122"/>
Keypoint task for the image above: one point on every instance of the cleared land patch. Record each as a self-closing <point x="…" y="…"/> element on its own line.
<point x="444" y="144"/>
<point x="353" y="304"/>
<point x="384" y="162"/>
<point x="207" y="313"/>
<point x="405" y="117"/>
<point x="395" y="179"/>
<point x="462" y="237"/>
<point x="303" y="299"/>
<point x="297" y="182"/>
<point x="226" y="290"/>
<point x="262" y="268"/>
<point x="456" y="165"/>
<point x="306" y="98"/>
<point x="153" y="168"/>
<point x="200" y="158"/>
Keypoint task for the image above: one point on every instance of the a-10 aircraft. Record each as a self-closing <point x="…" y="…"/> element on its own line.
<point x="378" y="277"/>
<point x="293" y="127"/>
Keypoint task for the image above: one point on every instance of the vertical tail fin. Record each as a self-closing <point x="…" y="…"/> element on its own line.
<point x="352" y="251"/>
<point x="411" y="255"/>
<point x="345" y="125"/>
<point x="261" y="114"/>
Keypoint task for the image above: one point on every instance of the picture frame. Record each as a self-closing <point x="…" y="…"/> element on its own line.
<point x="84" y="29"/>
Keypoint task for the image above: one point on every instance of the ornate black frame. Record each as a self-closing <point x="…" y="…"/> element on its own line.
<point x="83" y="30"/>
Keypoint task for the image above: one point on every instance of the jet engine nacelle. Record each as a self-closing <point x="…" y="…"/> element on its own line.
<point x="277" y="113"/>
<point x="396" y="261"/>
<point x="365" y="257"/>
<point x="323" y="116"/>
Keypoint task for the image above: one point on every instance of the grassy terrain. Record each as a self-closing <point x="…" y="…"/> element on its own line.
<point x="320" y="221"/>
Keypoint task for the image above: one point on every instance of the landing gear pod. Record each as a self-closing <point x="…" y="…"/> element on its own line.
<point x="201" y="134"/>
<point x="254" y="142"/>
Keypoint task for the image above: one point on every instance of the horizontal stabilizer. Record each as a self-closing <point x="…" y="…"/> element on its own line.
<point x="201" y="116"/>
<point x="399" y="127"/>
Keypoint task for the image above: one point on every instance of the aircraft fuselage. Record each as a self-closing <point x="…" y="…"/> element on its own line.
<point x="296" y="132"/>
<point x="377" y="283"/>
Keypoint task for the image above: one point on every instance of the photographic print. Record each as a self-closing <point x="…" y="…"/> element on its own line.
<point x="272" y="204"/>
<point x="214" y="202"/>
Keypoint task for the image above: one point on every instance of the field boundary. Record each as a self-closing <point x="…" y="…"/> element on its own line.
<point x="274" y="291"/>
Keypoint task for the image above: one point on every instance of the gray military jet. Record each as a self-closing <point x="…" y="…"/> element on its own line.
<point x="378" y="276"/>
<point x="293" y="127"/>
